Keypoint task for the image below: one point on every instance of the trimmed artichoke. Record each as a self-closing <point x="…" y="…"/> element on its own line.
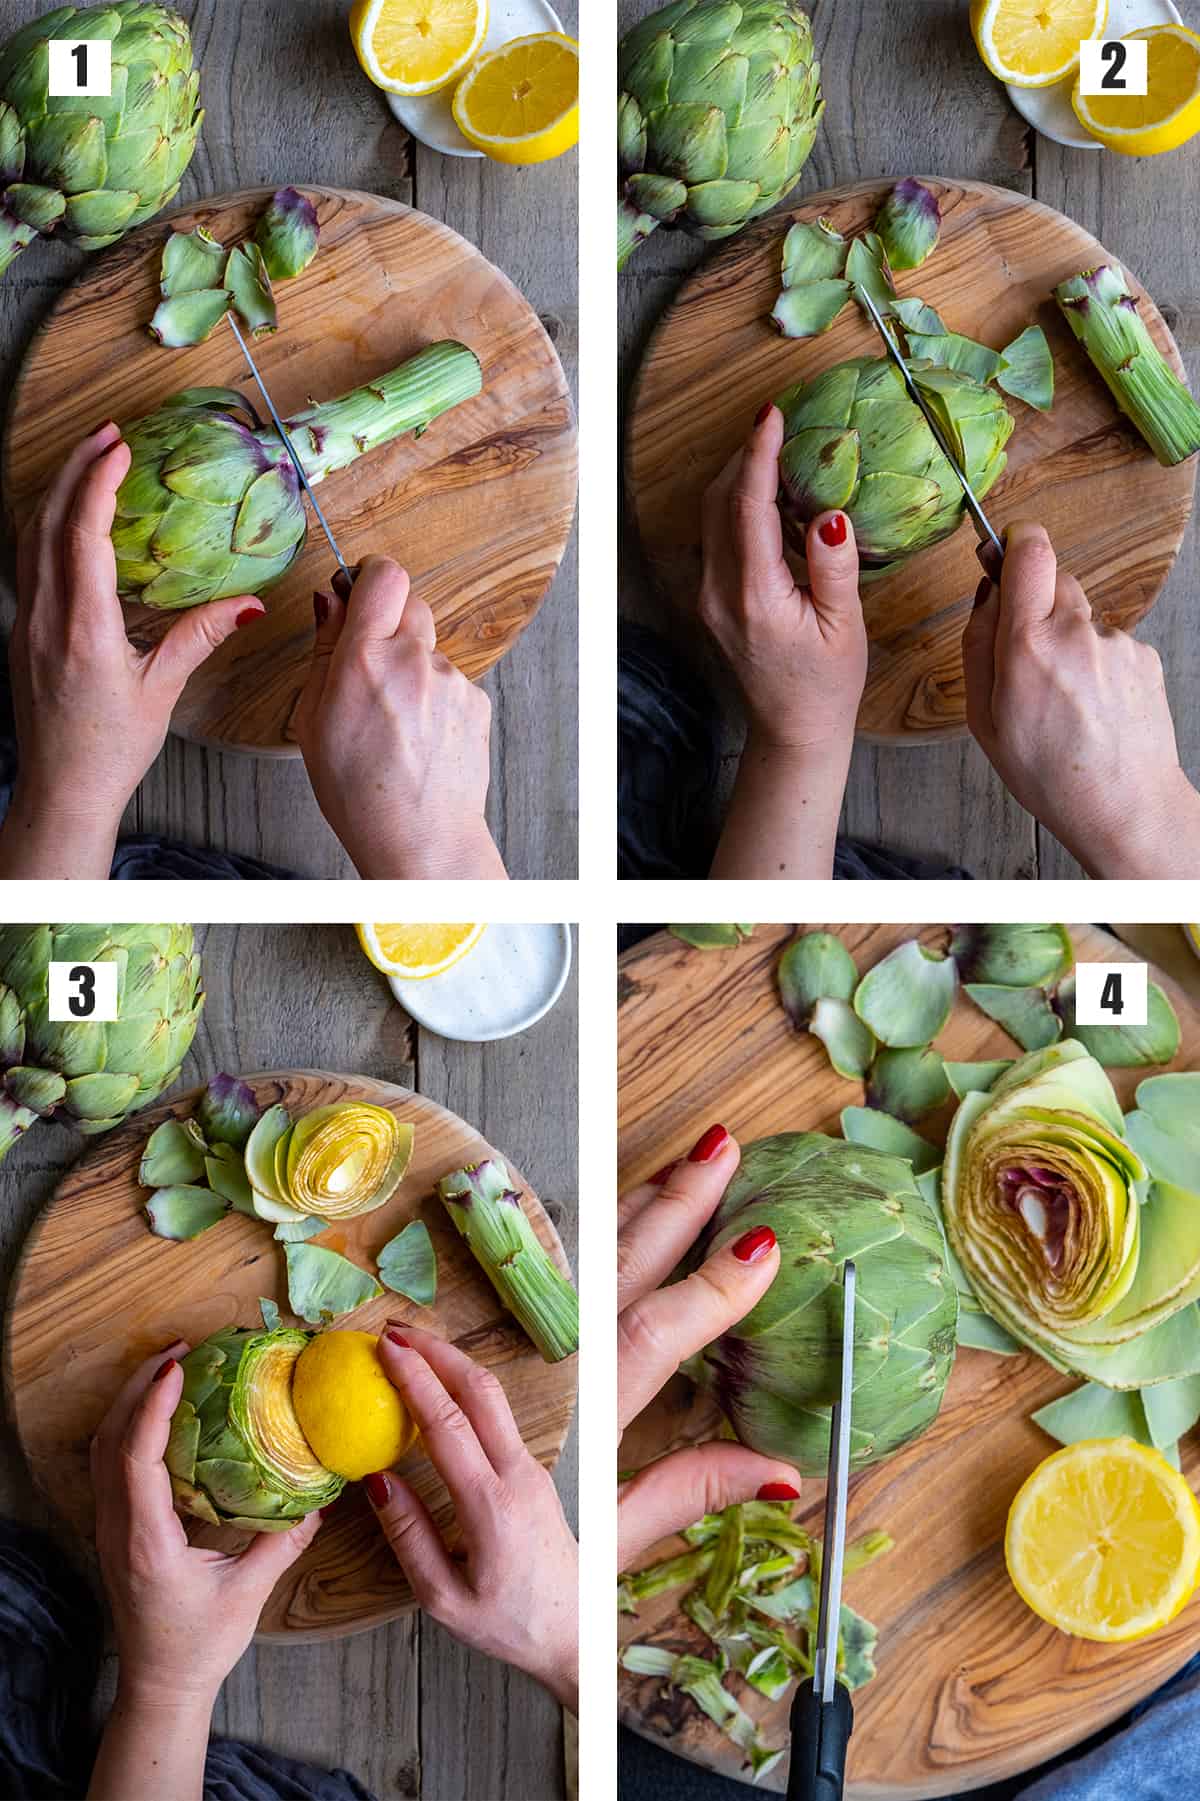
<point x="719" y="103"/>
<point x="336" y="1162"/>
<point x="853" y="440"/>
<point x="95" y="166"/>
<point x="236" y="1454"/>
<point x="212" y="505"/>
<point x="88" y="1071"/>
<point x="1059" y="1231"/>
<point x="776" y="1373"/>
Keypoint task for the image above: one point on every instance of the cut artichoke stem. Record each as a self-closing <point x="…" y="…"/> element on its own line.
<point x="1102" y="313"/>
<point x="337" y="433"/>
<point x="486" y="1209"/>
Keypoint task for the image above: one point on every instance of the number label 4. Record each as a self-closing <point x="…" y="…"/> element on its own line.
<point x="1111" y="994"/>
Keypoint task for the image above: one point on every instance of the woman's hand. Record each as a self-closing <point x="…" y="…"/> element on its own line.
<point x="183" y="1616"/>
<point x="800" y="659"/>
<point x="657" y="1328"/>
<point x="395" y="739"/>
<point x="511" y="1588"/>
<point x="91" y="711"/>
<point x="1074" y="718"/>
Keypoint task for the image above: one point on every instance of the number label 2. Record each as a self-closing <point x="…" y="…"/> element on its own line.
<point x="1114" y="66"/>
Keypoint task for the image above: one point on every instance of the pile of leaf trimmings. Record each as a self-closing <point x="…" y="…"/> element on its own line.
<point x="202" y="281"/>
<point x="753" y="1583"/>
<point x="822" y="270"/>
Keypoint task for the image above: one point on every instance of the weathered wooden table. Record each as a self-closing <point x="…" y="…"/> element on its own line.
<point x="413" y="1715"/>
<point x="287" y="102"/>
<point x="906" y="94"/>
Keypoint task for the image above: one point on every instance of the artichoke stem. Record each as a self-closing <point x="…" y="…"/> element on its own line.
<point x="1103" y="314"/>
<point x="487" y="1211"/>
<point x="633" y="228"/>
<point x="14" y="1120"/>
<point x="335" y="434"/>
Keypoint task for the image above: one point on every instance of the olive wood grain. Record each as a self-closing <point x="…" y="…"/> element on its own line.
<point x="478" y="509"/>
<point x="972" y="1687"/>
<point x="1116" y="517"/>
<point x="95" y="1293"/>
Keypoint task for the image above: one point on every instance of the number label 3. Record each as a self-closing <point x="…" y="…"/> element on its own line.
<point x="1111" y="994"/>
<point x="1114" y="66"/>
<point x="83" y="991"/>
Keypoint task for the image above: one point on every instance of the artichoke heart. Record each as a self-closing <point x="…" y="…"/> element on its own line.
<point x="345" y="1159"/>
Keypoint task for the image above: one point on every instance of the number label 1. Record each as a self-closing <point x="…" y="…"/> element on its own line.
<point x="83" y="991"/>
<point x="1114" y="66"/>
<point x="80" y="67"/>
<point x="1111" y="994"/>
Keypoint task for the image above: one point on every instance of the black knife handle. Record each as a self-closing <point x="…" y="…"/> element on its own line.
<point x="820" y="1736"/>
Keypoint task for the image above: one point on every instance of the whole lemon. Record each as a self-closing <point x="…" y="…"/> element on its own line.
<point x="349" y="1412"/>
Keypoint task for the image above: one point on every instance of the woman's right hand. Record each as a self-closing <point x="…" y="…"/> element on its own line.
<point x="395" y="738"/>
<point x="657" y="1328"/>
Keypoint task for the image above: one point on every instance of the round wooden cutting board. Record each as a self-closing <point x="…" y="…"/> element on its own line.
<point x="972" y="1687"/>
<point x="96" y="1292"/>
<point x="1116" y="517"/>
<point x="478" y="509"/>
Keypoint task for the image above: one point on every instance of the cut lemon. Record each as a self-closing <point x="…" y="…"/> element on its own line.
<point x="1162" y="118"/>
<point x="520" y="104"/>
<point x="1103" y="1540"/>
<point x="352" y="1417"/>
<point x="417" y="46"/>
<point x="1032" y="43"/>
<point x="414" y="953"/>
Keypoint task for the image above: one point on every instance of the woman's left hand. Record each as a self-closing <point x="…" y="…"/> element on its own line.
<point x="512" y="1587"/>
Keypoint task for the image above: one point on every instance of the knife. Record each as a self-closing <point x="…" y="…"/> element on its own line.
<point x="290" y="448"/>
<point x="822" y="1712"/>
<point x="991" y="551"/>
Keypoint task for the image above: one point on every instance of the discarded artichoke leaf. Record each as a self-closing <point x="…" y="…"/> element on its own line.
<point x="247" y="280"/>
<point x="1173" y="1103"/>
<point x="909" y="224"/>
<point x="1025" y="1013"/>
<point x="907" y="997"/>
<point x="1027" y="369"/>
<point x="270" y="1314"/>
<point x="917" y="315"/>
<point x="408" y="1264"/>
<point x="486" y="1208"/>
<point x="726" y="1566"/>
<point x="813" y="253"/>
<point x="1172" y="1409"/>
<point x="857" y="1644"/>
<point x="953" y="351"/>
<point x="908" y="1083"/>
<point x="710" y="938"/>
<point x="671" y="1572"/>
<point x="191" y="261"/>
<point x="808" y="310"/>
<point x="1013" y="956"/>
<point x="189" y="318"/>
<point x="299" y="1231"/>
<point x="323" y="1285"/>
<point x="867" y="1125"/>
<point x="978" y="1331"/>
<point x="228" y="1111"/>
<point x="814" y="967"/>
<point x="702" y="1681"/>
<point x="975" y="1078"/>
<point x="1095" y="1412"/>
<point x="183" y="1211"/>
<point x="288" y="234"/>
<point x="229" y="1180"/>
<point x="866" y="269"/>
<point x="849" y="1044"/>
<point x="647" y="1660"/>
<point x="1120" y="1046"/>
<point x="769" y="1672"/>
<point x="174" y="1154"/>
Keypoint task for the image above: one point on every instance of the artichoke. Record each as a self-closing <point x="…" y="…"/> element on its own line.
<point x="95" y="166"/>
<point x="853" y="440"/>
<point x="776" y="1373"/>
<point x="487" y="1210"/>
<point x="719" y="102"/>
<point x="212" y="506"/>
<point x="1061" y="1234"/>
<point x="89" y="1071"/>
<point x="236" y="1453"/>
<point x="336" y="1162"/>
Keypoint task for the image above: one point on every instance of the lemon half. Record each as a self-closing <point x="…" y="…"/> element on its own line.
<point x="414" y="953"/>
<point x="1033" y="43"/>
<point x="348" y="1411"/>
<point x="1103" y="1540"/>
<point x="1162" y="118"/>
<point x="520" y="103"/>
<point x="417" y="46"/>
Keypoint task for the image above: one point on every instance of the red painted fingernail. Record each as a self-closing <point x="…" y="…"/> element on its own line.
<point x="833" y="532"/>
<point x="777" y="1491"/>
<point x="754" y="1245"/>
<point x="320" y="608"/>
<point x="378" y="1489"/>
<point x="706" y="1148"/>
<point x="394" y="1337"/>
<point x="104" y="425"/>
<point x="763" y="413"/>
<point x="660" y="1175"/>
<point x="249" y="615"/>
<point x="162" y="1369"/>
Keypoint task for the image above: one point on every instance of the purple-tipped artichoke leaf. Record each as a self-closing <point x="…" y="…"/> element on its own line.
<point x="909" y="224"/>
<point x="228" y="1111"/>
<point x="288" y="234"/>
<point x="1016" y="956"/>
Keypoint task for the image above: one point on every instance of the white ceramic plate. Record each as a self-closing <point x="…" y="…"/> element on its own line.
<point x="1049" y="110"/>
<point x="510" y="979"/>
<point x="429" y="117"/>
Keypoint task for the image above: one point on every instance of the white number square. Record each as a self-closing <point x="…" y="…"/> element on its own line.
<point x="1110" y="994"/>
<point x="1114" y="66"/>
<point x="83" y="991"/>
<point x="80" y="66"/>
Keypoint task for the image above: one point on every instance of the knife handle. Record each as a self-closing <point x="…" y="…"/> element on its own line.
<point x="989" y="561"/>
<point x="820" y="1737"/>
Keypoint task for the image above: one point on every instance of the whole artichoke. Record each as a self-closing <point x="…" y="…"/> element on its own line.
<point x="212" y="505"/>
<point x="95" y="166"/>
<point x="87" y="1071"/>
<point x="236" y="1454"/>
<point x="719" y="103"/>
<point x="777" y="1372"/>
<point x="854" y="440"/>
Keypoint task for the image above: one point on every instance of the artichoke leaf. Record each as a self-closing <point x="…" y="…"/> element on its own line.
<point x="975" y="1078"/>
<point x="1013" y="956"/>
<point x="191" y="260"/>
<point x="906" y="998"/>
<point x="228" y="1179"/>
<point x="809" y="310"/>
<point x="1172" y="1409"/>
<point x="908" y="1083"/>
<point x="849" y="1044"/>
<point x="270" y="1314"/>
<point x="260" y="1162"/>
<point x="1027" y="369"/>
<point x="814" y="967"/>
<point x="189" y="318"/>
<point x="916" y="315"/>
<point x="298" y="1231"/>
<point x="710" y="937"/>
<point x="952" y="351"/>
<point x="978" y="1331"/>
<point x="323" y="1285"/>
<point x="247" y="280"/>
<point x="909" y="224"/>
<point x="813" y="252"/>
<point x="183" y="1212"/>
<point x="1025" y="1013"/>
<point x="288" y="234"/>
<point x="870" y="1126"/>
<point x="174" y="1155"/>
<point x="1124" y="1046"/>
<point x="867" y="272"/>
<point x="408" y="1264"/>
<point x="228" y="1111"/>
<point x="1095" y="1412"/>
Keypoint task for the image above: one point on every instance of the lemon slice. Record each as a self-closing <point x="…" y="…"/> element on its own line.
<point x="520" y="104"/>
<point x="1033" y="43"/>
<point x="417" y="46"/>
<point x="1103" y="1540"/>
<point x="414" y="953"/>
<point x="1162" y="118"/>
